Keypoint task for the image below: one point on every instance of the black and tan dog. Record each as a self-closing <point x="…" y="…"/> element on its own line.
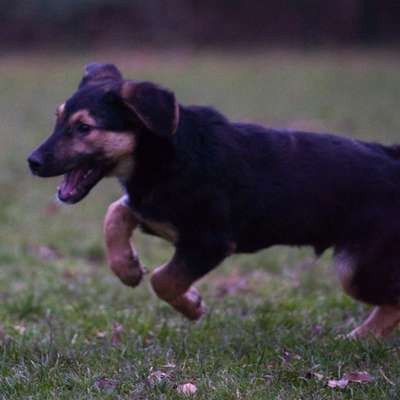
<point x="214" y="188"/>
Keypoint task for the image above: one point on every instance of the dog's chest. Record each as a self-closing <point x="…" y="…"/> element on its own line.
<point x="146" y="215"/>
<point x="164" y="230"/>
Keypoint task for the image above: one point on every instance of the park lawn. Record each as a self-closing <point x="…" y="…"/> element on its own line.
<point x="276" y="319"/>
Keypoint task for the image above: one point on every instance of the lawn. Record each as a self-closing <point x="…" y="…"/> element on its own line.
<point x="276" y="320"/>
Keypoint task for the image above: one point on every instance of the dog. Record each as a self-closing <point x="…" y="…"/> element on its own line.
<point x="213" y="188"/>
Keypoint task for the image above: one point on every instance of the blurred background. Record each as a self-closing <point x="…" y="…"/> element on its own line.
<point x="305" y="64"/>
<point x="170" y="23"/>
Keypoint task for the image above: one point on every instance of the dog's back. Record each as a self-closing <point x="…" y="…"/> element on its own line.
<point x="301" y="188"/>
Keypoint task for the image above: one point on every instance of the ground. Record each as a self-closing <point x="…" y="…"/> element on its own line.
<point x="276" y="319"/>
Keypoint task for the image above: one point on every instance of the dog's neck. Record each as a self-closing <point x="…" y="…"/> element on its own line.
<point x="151" y="164"/>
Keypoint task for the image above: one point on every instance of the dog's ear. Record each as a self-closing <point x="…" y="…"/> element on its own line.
<point x="155" y="106"/>
<point x="99" y="73"/>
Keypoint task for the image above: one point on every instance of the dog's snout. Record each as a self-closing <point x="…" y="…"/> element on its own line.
<point x="36" y="163"/>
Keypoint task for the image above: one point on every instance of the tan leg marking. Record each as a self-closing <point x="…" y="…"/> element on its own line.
<point x="119" y="224"/>
<point x="170" y="284"/>
<point x="380" y="323"/>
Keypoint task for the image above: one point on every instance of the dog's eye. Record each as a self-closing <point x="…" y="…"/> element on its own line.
<point x="83" y="128"/>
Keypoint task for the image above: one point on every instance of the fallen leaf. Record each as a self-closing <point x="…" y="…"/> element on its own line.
<point x="117" y="329"/>
<point x="169" y="365"/>
<point x="187" y="389"/>
<point x="230" y="285"/>
<point x="357" y="377"/>
<point x="289" y="357"/>
<point x="20" y="328"/>
<point x="46" y="253"/>
<point x="316" y="329"/>
<point x="318" y="376"/>
<point x="106" y="383"/>
<point x="341" y="383"/>
<point x="101" y="334"/>
<point x="156" y="377"/>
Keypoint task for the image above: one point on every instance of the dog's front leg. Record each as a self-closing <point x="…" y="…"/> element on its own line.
<point x="119" y="224"/>
<point x="173" y="281"/>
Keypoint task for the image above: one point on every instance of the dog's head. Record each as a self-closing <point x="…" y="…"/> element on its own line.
<point x="98" y="129"/>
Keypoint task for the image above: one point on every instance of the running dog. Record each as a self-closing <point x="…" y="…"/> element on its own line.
<point x="213" y="188"/>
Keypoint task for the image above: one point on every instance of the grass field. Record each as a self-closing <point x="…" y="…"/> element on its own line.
<point x="70" y="330"/>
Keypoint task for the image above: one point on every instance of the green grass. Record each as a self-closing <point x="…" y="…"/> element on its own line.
<point x="70" y="330"/>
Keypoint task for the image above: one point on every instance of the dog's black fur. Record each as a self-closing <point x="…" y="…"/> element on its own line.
<point x="231" y="187"/>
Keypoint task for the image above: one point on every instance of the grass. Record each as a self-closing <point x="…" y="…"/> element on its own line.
<point x="70" y="330"/>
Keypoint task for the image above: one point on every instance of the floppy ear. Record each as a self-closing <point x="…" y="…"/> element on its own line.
<point x="155" y="106"/>
<point x="99" y="73"/>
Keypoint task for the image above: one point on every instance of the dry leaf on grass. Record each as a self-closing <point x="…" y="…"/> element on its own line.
<point x="230" y="285"/>
<point x="318" y="376"/>
<point x="288" y="357"/>
<point x="20" y="328"/>
<point x="157" y="377"/>
<point x="101" y="334"/>
<point x="169" y="366"/>
<point x="47" y="253"/>
<point x="106" y="383"/>
<point x="116" y="332"/>
<point x="357" y="377"/>
<point x="187" y="389"/>
<point x="316" y="330"/>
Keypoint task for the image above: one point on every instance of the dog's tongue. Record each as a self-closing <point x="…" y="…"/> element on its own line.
<point x="71" y="181"/>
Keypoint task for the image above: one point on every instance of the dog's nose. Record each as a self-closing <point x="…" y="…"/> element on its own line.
<point x="35" y="162"/>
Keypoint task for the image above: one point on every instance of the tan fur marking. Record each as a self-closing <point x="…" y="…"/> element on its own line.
<point x="380" y="323"/>
<point x="165" y="230"/>
<point x="119" y="223"/>
<point x="114" y="145"/>
<point x="60" y="111"/>
<point x="82" y="116"/>
<point x="127" y="89"/>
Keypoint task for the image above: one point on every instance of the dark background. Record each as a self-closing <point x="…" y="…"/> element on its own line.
<point x="177" y="23"/>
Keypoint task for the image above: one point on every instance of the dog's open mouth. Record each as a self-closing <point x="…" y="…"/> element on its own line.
<point x="78" y="182"/>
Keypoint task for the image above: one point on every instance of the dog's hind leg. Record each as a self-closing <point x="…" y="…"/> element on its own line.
<point x="119" y="224"/>
<point x="380" y="323"/>
<point x="172" y="281"/>
<point x="372" y="277"/>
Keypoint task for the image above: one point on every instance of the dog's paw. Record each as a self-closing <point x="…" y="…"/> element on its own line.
<point x="133" y="277"/>
<point x="190" y="305"/>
